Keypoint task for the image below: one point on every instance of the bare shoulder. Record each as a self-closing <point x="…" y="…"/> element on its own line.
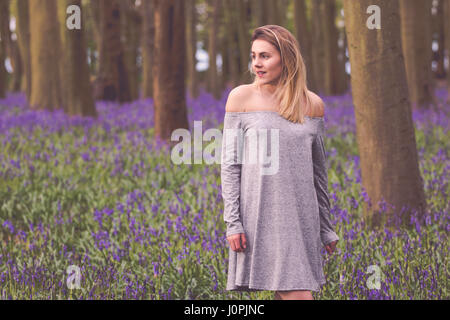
<point x="236" y="98"/>
<point x="318" y="105"/>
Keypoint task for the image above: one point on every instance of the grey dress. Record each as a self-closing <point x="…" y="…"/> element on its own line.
<point x="284" y="211"/>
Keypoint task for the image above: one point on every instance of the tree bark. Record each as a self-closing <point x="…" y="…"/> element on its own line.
<point x="79" y="96"/>
<point x="318" y="47"/>
<point x="244" y="41"/>
<point x="11" y="49"/>
<point x="384" y="127"/>
<point x="303" y="34"/>
<point x="272" y="11"/>
<point x="447" y="42"/>
<point x="130" y="30"/>
<point x="439" y="36"/>
<point x="169" y="68"/>
<point x="416" y="44"/>
<point x="23" y="39"/>
<point x="148" y="39"/>
<point x="259" y="13"/>
<point x="213" y="82"/>
<point x="112" y="82"/>
<point x="3" y="51"/>
<point x="231" y="47"/>
<point x="191" y="49"/>
<point x="45" y="47"/>
<point x="331" y="64"/>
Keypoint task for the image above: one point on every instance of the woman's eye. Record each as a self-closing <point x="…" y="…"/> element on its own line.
<point x="253" y="57"/>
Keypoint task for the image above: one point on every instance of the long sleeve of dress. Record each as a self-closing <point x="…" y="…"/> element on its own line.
<point x="327" y="233"/>
<point x="231" y="172"/>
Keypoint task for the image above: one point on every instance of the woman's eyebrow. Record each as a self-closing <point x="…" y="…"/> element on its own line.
<point x="260" y="52"/>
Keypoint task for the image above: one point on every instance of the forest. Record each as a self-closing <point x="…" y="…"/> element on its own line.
<point x="92" y="205"/>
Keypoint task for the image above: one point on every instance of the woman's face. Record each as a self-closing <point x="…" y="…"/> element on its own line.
<point x="265" y="57"/>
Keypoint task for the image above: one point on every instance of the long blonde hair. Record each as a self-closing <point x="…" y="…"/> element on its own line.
<point x="291" y="91"/>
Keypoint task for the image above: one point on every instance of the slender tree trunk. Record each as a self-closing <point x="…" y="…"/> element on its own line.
<point x="303" y="34"/>
<point x="3" y="72"/>
<point x="344" y="79"/>
<point x="93" y="14"/>
<point x="331" y="64"/>
<point x="62" y="62"/>
<point x="244" y="41"/>
<point x="447" y="42"/>
<point x="11" y="46"/>
<point x="79" y="96"/>
<point x="224" y="73"/>
<point x="318" y="47"/>
<point x="416" y="44"/>
<point x="130" y="29"/>
<point x="232" y="47"/>
<point x="4" y="21"/>
<point x="169" y="68"/>
<point x="23" y="39"/>
<point x="212" y="48"/>
<point x="384" y="127"/>
<point x="439" y="36"/>
<point x="259" y="13"/>
<point x="191" y="49"/>
<point x="45" y="48"/>
<point x="148" y="39"/>
<point x="272" y="12"/>
<point x="112" y="82"/>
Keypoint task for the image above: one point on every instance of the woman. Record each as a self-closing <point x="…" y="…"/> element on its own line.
<point x="276" y="222"/>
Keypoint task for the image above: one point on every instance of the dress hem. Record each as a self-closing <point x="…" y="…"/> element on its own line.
<point x="246" y="287"/>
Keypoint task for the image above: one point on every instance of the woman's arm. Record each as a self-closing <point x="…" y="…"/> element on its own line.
<point x="231" y="172"/>
<point x="327" y="234"/>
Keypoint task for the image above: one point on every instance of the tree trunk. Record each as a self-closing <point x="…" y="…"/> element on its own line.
<point x="79" y="96"/>
<point x="259" y="13"/>
<point x="130" y="28"/>
<point x="439" y="36"/>
<point x="416" y="43"/>
<point x="45" y="47"/>
<point x="169" y="67"/>
<point x="318" y="47"/>
<point x="213" y="82"/>
<point x="331" y="63"/>
<point x="4" y="21"/>
<point x="384" y="127"/>
<point x="148" y="39"/>
<point x="232" y="46"/>
<point x="191" y="49"/>
<point x="62" y="62"/>
<point x="23" y="39"/>
<point x="344" y="79"/>
<point x="112" y="82"/>
<point x="244" y="41"/>
<point x="447" y="42"/>
<point x="272" y="11"/>
<point x="282" y="10"/>
<point x="11" y="49"/>
<point x="303" y="34"/>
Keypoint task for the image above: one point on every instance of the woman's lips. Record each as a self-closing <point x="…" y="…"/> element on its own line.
<point x="261" y="74"/>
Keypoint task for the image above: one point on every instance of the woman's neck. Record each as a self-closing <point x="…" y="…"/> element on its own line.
<point x="266" y="89"/>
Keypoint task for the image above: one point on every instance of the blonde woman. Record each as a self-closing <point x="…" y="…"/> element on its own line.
<point x="278" y="221"/>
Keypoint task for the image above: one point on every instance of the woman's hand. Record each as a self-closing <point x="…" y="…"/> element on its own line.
<point x="237" y="242"/>
<point x="331" y="246"/>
